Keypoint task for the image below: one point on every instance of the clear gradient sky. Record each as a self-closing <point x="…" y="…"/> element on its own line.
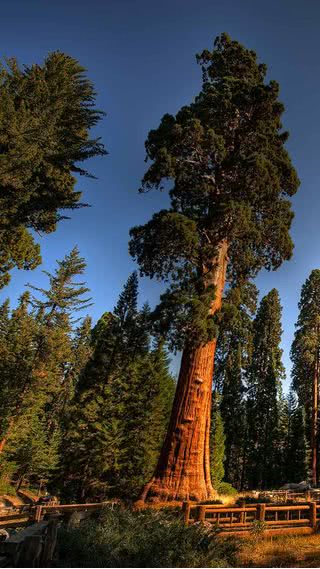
<point x="141" y="57"/>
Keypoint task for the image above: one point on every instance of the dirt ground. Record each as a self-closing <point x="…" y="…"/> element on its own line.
<point x="281" y="551"/>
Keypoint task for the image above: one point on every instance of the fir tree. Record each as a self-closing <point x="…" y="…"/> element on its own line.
<point x="264" y="379"/>
<point x="46" y="114"/>
<point x="230" y="177"/>
<point x="305" y="358"/>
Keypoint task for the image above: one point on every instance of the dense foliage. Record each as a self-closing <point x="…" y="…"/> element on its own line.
<point x="265" y="432"/>
<point x="232" y="362"/>
<point x="46" y="114"/>
<point x="122" y="538"/>
<point x="84" y="410"/>
<point x="229" y="178"/>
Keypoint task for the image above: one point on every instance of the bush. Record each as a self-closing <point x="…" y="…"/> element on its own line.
<point x="6" y="488"/>
<point x="226" y="489"/>
<point x="211" y="502"/>
<point x="147" y="538"/>
<point x="253" y="500"/>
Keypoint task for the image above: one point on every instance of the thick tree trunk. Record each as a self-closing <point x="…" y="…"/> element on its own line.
<point x="314" y="426"/>
<point x="183" y="470"/>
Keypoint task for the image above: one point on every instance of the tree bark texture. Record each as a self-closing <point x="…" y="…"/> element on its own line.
<point x="183" y="470"/>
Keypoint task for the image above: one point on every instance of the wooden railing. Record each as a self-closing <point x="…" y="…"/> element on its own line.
<point x="304" y="517"/>
<point x="284" y="495"/>
<point x="20" y="515"/>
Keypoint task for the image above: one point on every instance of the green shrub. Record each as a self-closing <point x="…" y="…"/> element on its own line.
<point x="257" y="529"/>
<point x="148" y="538"/>
<point x="6" y="488"/>
<point x="226" y="489"/>
<point x="253" y="500"/>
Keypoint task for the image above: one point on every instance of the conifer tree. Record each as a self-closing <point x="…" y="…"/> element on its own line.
<point x="217" y="446"/>
<point x="230" y="177"/>
<point x="232" y="360"/>
<point x="121" y="405"/>
<point x="17" y="354"/>
<point x="264" y="379"/>
<point x="298" y="452"/>
<point x="305" y="359"/>
<point x="41" y="354"/>
<point x="46" y="114"/>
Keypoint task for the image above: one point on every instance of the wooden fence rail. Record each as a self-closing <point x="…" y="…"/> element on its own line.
<point x="303" y="518"/>
<point x="20" y="515"/>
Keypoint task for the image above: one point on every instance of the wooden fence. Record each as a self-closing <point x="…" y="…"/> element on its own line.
<point x="22" y="515"/>
<point x="285" y="495"/>
<point x="302" y="518"/>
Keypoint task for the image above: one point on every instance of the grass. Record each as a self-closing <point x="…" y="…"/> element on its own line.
<point x="121" y="537"/>
<point x="280" y="551"/>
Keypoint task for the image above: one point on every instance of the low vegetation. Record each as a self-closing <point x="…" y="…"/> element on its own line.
<point x="148" y="538"/>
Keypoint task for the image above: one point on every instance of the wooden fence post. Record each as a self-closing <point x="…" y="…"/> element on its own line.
<point x="308" y="496"/>
<point x="261" y="512"/>
<point x="186" y="512"/>
<point x="38" y="514"/>
<point x="313" y="515"/>
<point x="201" y="513"/>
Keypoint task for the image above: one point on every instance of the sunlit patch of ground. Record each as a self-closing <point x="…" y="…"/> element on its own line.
<point x="281" y="551"/>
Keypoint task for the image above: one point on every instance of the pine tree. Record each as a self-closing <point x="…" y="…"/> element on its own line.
<point x="121" y="406"/>
<point x="232" y="360"/>
<point x="305" y="359"/>
<point x="46" y="114"/>
<point x="264" y="379"/>
<point x="218" y="446"/>
<point x="229" y="216"/>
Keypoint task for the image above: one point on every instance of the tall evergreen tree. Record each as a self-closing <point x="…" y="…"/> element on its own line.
<point x="264" y="378"/>
<point x="41" y="353"/>
<point x="298" y="450"/>
<point x="305" y="359"/>
<point x="232" y="360"/>
<point x="19" y="331"/>
<point x="121" y="405"/>
<point x="217" y="445"/>
<point x="229" y="216"/>
<point x="46" y="114"/>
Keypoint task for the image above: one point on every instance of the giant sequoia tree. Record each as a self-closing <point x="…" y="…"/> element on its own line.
<point x="230" y="177"/>
<point x="46" y="113"/>
<point x="305" y="353"/>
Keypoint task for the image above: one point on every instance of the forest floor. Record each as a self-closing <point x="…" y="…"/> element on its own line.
<point x="281" y="551"/>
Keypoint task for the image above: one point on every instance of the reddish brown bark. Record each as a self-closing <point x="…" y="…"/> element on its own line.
<point x="3" y="444"/>
<point x="183" y="470"/>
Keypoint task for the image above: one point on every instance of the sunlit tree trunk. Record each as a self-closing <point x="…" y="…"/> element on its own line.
<point x="183" y="470"/>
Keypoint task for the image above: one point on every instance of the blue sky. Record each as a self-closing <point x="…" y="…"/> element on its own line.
<point x="141" y="56"/>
